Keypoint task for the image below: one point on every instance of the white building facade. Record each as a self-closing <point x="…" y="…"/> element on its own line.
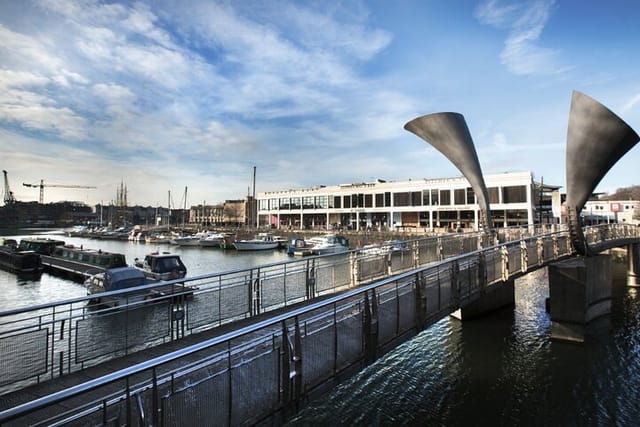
<point x="426" y="204"/>
<point x="607" y="211"/>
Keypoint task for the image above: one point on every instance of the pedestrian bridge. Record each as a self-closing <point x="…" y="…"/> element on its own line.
<point x="251" y="345"/>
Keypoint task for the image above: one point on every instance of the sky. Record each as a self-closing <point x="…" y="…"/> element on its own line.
<point x="168" y="96"/>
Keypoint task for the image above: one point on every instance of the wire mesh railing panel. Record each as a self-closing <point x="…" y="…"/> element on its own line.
<point x="407" y="304"/>
<point x="547" y="250"/>
<point x="24" y="355"/>
<point x="451" y="246"/>
<point x="137" y="327"/>
<point x="515" y="259"/>
<point x="255" y="388"/>
<point x="428" y="251"/>
<point x="387" y="315"/>
<point x="332" y="277"/>
<point x="349" y="331"/>
<point x="468" y="279"/>
<point x="371" y="267"/>
<point x="318" y="354"/>
<point x="204" y="400"/>
<point x="493" y="265"/>
<point x="532" y="254"/>
<point x="401" y="260"/>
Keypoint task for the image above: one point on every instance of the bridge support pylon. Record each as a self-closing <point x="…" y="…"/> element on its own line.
<point x="579" y="292"/>
<point x="496" y="297"/>
<point x="633" y="265"/>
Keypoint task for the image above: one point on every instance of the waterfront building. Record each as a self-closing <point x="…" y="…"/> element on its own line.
<point x="436" y="205"/>
<point x="607" y="211"/>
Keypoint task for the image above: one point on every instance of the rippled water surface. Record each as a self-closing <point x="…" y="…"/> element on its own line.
<point x="501" y="370"/>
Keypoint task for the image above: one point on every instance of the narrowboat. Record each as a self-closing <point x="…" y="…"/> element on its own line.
<point x="79" y="263"/>
<point x="18" y="261"/>
<point x="43" y="246"/>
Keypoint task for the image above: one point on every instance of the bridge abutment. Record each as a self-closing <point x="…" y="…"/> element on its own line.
<point x="496" y="297"/>
<point x="579" y="292"/>
<point x="633" y="265"/>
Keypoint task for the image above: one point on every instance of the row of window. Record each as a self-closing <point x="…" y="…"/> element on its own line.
<point x="430" y="197"/>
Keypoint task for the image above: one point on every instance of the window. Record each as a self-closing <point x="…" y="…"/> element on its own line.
<point x="295" y="203"/>
<point x="459" y="196"/>
<point x="368" y="200"/>
<point x="285" y="203"/>
<point x="321" y="202"/>
<point x="379" y="200"/>
<point x="400" y="199"/>
<point x="416" y="198"/>
<point x="445" y="197"/>
<point x="307" y="202"/>
<point x="387" y="199"/>
<point x="435" y="200"/>
<point x="471" y="196"/>
<point x="347" y="201"/>
<point x="514" y="194"/>
<point x="425" y="198"/>
<point x="494" y="195"/>
<point x="337" y="202"/>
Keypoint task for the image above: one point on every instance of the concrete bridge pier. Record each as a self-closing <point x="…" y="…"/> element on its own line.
<point x="496" y="297"/>
<point x="579" y="292"/>
<point x="633" y="265"/>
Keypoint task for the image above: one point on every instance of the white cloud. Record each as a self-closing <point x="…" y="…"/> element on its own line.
<point x="525" y="23"/>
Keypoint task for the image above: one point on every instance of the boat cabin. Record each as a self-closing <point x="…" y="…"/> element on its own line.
<point x="42" y="246"/>
<point x="162" y="266"/>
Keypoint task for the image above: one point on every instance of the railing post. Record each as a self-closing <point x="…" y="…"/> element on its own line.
<point x="504" y="257"/>
<point x="421" y="301"/>
<point x="524" y="256"/>
<point x="353" y="262"/>
<point x="370" y="327"/>
<point x="455" y="283"/>
<point x="482" y="272"/>
<point x="540" y="247"/>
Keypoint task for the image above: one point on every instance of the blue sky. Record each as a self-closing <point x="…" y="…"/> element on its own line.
<point x="163" y="95"/>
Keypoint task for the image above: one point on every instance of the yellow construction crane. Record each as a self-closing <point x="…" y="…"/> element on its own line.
<point x="42" y="185"/>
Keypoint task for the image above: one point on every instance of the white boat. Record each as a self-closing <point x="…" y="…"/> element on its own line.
<point x="190" y="240"/>
<point x="329" y="244"/>
<point x="261" y="242"/>
<point x="212" y="240"/>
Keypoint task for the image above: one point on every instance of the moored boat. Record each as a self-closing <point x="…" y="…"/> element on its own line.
<point x="122" y="278"/>
<point x="79" y="263"/>
<point x="261" y="242"/>
<point x="18" y="261"/>
<point x="329" y="244"/>
<point x="43" y="246"/>
<point x="212" y="240"/>
<point x="162" y="266"/>
<point x="189" y="240"/>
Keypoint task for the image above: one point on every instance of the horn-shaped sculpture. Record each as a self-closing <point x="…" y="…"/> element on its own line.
<point x="448" y="132"/>
<point x="596" y="140"/>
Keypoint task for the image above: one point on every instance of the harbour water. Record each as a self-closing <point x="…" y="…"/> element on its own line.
<point x="502" y="369"/>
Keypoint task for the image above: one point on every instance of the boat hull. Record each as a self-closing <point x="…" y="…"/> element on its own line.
<point x="255" y="246"/>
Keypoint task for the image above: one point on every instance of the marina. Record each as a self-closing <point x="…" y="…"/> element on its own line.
<point x="20" y="291"/>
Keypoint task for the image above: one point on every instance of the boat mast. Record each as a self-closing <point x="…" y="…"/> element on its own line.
<point x="184" y="209"/>
<point x="169" y="210"/>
